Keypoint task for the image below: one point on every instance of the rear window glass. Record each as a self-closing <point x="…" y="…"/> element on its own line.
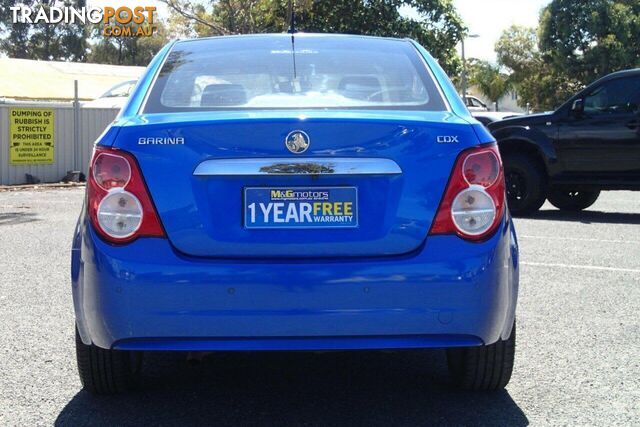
<point x="317" y="72"/>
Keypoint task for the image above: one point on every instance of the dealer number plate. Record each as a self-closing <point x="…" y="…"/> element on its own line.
<point x="301" y="207"/>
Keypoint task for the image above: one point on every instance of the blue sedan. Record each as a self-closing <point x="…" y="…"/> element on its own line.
<point x="306" y="192"/>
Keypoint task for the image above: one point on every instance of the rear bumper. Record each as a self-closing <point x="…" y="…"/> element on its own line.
<point x="146" y="296"/>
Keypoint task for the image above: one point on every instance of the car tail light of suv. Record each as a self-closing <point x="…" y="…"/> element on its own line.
<point x="119" y="204"/>
<point x="473" y="203"/>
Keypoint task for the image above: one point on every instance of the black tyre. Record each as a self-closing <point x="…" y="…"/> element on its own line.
<point x="526" y="182"/>
<point x="106" y="371"/>
<point x="568" y="200"/>
<point x="485" y="368"/>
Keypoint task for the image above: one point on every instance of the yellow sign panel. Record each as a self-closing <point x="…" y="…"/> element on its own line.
<point x="31" y="136"/>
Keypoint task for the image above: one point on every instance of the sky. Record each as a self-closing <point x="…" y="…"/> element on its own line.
<point x="486" y="18"/>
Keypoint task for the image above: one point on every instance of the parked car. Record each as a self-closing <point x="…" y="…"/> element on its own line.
<point x="115" y="97"/>
<point x="474" y="104"/>
<point x="486" y="117"/>
<point x="589" y="144"/>
<point x="350" y="204"/>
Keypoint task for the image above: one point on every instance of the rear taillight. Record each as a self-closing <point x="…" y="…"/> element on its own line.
<point x="118" y="201"/>
<point x="473" y="203"/>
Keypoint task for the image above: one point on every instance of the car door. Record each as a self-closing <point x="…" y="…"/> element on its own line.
<point x="603" y="137"/>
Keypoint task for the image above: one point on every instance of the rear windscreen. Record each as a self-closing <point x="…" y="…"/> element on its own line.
<point x="314" y="72"/>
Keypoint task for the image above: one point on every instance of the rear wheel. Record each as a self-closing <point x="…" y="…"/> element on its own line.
<point x="484" y="368"/>
<point x="106" y="371"/>
<point x="526" y="183"/>
<point x="569" y="200"/>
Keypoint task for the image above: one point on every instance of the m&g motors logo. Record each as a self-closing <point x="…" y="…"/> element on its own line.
<point x="299" y="195"/>
<point x="125" y="21"/>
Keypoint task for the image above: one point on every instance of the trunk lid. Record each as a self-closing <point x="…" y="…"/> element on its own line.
<point x="204" y="213"/>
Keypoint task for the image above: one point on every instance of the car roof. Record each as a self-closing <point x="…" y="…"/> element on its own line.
<point x="288" y="35"/>
<point x="495" y="113"/>
<point x="617" y="74"/>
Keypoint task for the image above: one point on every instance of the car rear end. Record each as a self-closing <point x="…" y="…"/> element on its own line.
<point x="259" y="194"/>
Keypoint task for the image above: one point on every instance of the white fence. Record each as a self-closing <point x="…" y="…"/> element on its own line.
<point x="72" y="141"/>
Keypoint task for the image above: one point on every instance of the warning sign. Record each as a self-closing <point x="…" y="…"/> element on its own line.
<point x="31" y="137"/>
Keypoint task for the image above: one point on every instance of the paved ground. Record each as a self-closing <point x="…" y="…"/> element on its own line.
<point x="577" y="360"/>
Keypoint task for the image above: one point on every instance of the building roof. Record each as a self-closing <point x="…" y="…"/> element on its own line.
<point x="26" y="79"/>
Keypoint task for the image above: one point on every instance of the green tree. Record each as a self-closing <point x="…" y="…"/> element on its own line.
<point x="540" y="85"/>
<point x="490" y="81"/>
<point x="589" y="39"/>
<point x="13" y="37"/>
<point x="42" y="41"/>
<point x="437" y="26"/>
<point x="191" y="22"/>
<point x="126" y="50"/>
<point x="545" y="89"/>
<point x="517" y="49"/>
<point x="197" y="19"/>
<point x="576" y="43"/>
<point x="434" y="23"/>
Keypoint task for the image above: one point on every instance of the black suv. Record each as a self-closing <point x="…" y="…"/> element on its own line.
<point x="591" y="143"/>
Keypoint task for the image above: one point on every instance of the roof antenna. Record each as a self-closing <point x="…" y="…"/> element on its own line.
<point x="292" y="31"/>
<point x="292" y="17"/>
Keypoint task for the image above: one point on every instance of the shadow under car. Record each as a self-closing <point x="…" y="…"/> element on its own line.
<point x="295" y="388"/>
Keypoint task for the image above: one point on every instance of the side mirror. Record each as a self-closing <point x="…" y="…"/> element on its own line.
<point x="577" y="108"/>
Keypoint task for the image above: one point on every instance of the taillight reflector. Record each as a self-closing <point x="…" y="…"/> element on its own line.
<point x="473" y="202"/>
<point x="118" y="200"/>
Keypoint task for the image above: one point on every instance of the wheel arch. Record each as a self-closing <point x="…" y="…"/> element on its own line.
<point x="531" y="161"/>
<point x="521" y="146"/>
<point x="529" y="140"/>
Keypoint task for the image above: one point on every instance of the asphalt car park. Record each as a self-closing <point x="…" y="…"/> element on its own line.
<point x="577" y="360"/>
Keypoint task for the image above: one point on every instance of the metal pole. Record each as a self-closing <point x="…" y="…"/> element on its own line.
<point x="76" y="126"/>
<point x="464" y="66"/>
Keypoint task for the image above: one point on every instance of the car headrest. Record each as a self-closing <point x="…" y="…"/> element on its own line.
<point x="223" y="94"/>
<point x="359" y="87"/>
